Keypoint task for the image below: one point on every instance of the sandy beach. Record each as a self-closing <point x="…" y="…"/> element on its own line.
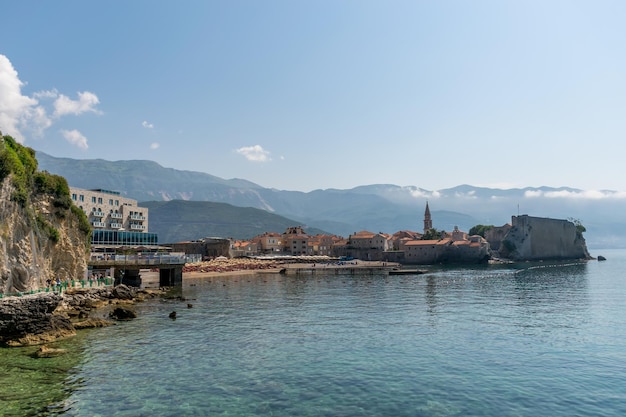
<point x="226" y="267"/>
<point x="244" y="266"/>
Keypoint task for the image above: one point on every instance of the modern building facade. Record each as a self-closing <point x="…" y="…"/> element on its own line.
<point x="115" y="220"/>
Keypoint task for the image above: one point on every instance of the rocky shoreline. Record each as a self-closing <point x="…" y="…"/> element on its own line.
<point x="44" y="318"/>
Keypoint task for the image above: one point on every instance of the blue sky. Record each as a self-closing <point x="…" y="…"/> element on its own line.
<point x="302" y="95"/>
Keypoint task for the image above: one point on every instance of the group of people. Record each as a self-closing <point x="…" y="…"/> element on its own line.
<point x="54" y="283"/>
<point x="57" y="285"/>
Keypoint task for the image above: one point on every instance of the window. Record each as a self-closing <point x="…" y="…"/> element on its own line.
<point x="99" y="200"/>
<point x="74" y="197"/>
<point x="110" y="202"/>
<point x="81" y="197"/>
<point x="93" y="200"/>
<point x="117" y="202"/>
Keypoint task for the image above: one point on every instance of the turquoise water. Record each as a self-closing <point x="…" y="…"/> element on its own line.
<point x="524" y="340"/>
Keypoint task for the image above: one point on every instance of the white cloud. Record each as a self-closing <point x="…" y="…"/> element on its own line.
<point x="147" y="125"/>
<point x="15" y="109"/>
<point x="419" y="193"/>
<point x="154" y="145"/>
<point x="46" y="94"/>
<point x="86" y="102"/>
<point x="470" y="194"/>
<point x="533" y="193"/>
<point x="254" y="153"/>
<point x="580" y="195"/>
<point x="75" y="138"/>
<point x="20" y="113"/>
<point x="38" y="120"/>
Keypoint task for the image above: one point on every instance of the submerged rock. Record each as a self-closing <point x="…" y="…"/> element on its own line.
<point x="92" y="323"/>
<point x="47" y="352"/>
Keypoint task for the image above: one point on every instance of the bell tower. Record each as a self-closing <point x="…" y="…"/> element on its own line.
<point x="428" y="222"/>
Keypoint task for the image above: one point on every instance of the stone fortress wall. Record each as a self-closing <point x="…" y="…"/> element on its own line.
<point x="537" y="238"/>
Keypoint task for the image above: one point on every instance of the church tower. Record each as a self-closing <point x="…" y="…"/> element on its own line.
<point x="428" y="222"/>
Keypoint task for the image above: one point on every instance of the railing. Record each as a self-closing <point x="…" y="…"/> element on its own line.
<point x="117" y="216"/>
<point x="64" y="286"/>
<point x="116" y="225"/>
<point x="137" y="217"/>
<point x="97" y="214"/>
<point x="98" y="224"/>
<point x="137" y="227"/>
<point x="141" y="259"/>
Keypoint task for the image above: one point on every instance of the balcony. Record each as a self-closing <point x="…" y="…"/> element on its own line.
<point x="98" y="224"/>
<point x="117" y="216"/>
<point x="137" y="227"/>
<point x="116" y="225"/>
<point x="97" y="214"/>
<point x="137" y="217"/>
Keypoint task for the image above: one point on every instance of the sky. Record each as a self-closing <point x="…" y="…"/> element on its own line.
<point x="304" y="95"/>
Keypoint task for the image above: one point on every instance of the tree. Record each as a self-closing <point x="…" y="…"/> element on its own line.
<point x="580" y="229"/>
<point x="433" y="234"/>
<point x="480" y="230"/>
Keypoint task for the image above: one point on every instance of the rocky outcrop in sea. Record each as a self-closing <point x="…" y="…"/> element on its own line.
<point x="43" y="318"/>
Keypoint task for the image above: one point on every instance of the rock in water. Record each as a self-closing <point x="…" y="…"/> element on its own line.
<point x="29" y="320"/>
<point x="173" y="315"/>
<point x="123" y="313"/>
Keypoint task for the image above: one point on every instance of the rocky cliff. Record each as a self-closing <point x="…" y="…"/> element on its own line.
<point x="42" y="235"/>
<point x="538" y="238"/>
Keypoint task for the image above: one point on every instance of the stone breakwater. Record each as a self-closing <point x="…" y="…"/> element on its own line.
<point x="43" y="318"/>
<point x="231" y="265"/>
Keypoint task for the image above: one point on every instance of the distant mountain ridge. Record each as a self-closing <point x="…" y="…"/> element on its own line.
<point x="379" y="207"/>
<point x="179" y="220"/>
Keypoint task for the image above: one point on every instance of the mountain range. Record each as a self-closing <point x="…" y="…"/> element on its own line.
<point x="172" y="194"/>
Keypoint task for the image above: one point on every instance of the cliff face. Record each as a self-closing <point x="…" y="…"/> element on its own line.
<point x="41" y="236"/>
<point x="28" y="256"/>
<point x="537" y="238"/>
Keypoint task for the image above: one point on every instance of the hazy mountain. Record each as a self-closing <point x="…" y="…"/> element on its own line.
<point x="180" y="220"/>
<point x="379" y="208"/>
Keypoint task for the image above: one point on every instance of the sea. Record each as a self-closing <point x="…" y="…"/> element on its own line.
<point x="528" y="339"/>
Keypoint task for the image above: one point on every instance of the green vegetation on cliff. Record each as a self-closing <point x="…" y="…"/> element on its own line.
<point x="20" y="163"/>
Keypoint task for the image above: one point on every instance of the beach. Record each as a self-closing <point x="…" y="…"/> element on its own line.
<point x="245" y="266"/>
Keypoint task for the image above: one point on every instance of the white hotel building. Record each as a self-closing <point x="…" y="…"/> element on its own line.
<point x="115" y="220"/>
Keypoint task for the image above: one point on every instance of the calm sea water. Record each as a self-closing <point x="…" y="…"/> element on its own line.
<point x="523" y="340"/>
